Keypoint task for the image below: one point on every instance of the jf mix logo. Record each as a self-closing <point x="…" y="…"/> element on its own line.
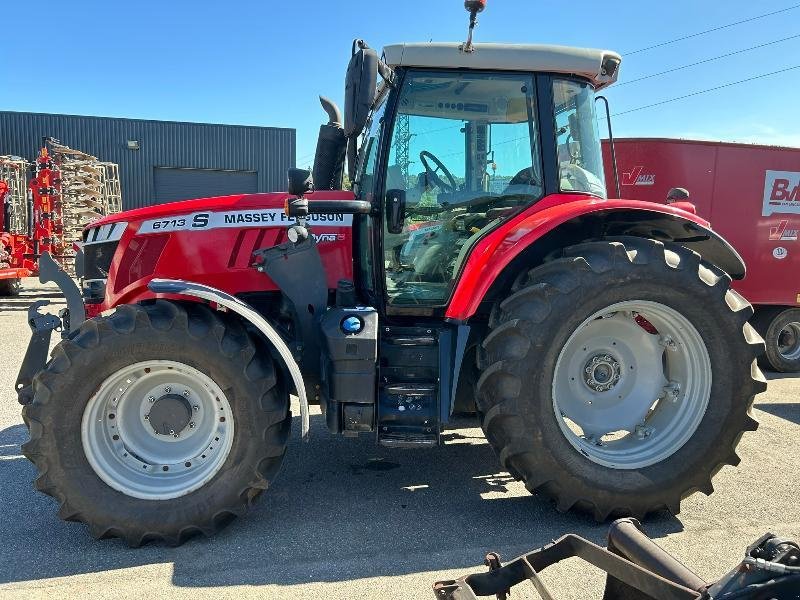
<point x="782" y="232"/>
<point x="781" y="193"/>
<point x="636" y="177"/>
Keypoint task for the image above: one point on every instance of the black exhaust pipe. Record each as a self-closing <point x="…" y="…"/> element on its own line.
<point x="334" y="114"/>
<point x="331" y="149"/>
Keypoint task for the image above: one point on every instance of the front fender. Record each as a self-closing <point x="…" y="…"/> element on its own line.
<point x="176" y="287"/>
<point x="580" y="218"/>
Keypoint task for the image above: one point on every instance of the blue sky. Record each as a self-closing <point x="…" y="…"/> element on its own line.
<point x="264" y="62"/>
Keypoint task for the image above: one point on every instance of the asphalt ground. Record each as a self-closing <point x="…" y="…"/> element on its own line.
<point x="347" y="518"/>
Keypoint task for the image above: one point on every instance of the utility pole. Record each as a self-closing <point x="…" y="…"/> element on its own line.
<point x="401" y="145"/>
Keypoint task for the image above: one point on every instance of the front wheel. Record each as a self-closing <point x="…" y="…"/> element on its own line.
<point x="618" y="378"/>
<point x="157" y="422"/>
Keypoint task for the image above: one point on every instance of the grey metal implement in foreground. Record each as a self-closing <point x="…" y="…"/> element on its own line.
<point x="638" y="569"/>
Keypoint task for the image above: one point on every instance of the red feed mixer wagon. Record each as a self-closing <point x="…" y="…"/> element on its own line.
<point x="477" y="266"/>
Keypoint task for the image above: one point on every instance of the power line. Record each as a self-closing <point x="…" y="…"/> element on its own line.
<point x="305" y="158"/>
<point x="713" y="89"/>
<point x="708" y="60"/>
<point x="707" y="31"/>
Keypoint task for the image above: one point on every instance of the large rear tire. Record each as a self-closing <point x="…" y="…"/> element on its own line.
<point x="157" y="422"/>
<point x="618" y="378"/>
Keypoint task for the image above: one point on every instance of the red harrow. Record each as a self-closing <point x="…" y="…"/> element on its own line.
<point x="68" y="190"/>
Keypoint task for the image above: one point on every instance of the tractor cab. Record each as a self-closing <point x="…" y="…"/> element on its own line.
<point x="457" y="142"/>
<point x="452" y="143"/>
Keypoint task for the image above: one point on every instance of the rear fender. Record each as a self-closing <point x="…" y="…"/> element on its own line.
<point x="177" y="288"/>
<point x="525" y="240"/>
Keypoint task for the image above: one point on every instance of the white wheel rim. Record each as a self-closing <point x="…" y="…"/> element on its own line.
<point x="626" y="397"/>
<point x="789" y="341"/>
<point x="124" y="448"/>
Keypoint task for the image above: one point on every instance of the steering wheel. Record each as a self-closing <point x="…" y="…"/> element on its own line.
<point x="446" y="186"/>
<point x="525" y="177"/>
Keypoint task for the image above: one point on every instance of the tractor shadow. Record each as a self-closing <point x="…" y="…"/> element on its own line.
<point x="785" y="410"/>
<point x="340" y="510"/>
<point x="774" y="375"/>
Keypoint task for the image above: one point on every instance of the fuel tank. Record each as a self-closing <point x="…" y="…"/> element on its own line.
<point x="209" y="241"/>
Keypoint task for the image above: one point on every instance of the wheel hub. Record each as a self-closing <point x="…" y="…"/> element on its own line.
<point x="170" y="414"/>
<point x="601" y="372"/>
<point x="789" y="341"/>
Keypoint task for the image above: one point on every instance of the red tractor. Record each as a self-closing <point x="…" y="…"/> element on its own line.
<point x="476" y="266"/>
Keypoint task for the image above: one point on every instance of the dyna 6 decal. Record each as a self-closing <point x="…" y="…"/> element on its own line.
<point x="264" y="217"/>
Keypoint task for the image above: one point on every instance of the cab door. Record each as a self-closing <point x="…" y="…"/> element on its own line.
<point x="463" y="155"/>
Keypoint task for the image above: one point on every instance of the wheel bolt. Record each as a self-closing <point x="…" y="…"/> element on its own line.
<point x="186" y="393"/>
<point x="147" y="417"/>
<point x="196" y="407"/>
<point x="151" y="398"/>
<point x="673" y="390"/>
<point x="167" y="389"/>
<point x="191" y="425"/>
<point x="668" y="343"/>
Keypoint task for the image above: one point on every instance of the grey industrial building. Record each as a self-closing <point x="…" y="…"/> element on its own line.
<point x="162" y="161"/>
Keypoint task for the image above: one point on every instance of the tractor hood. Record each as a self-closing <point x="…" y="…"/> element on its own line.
<point x="208" y="241"/>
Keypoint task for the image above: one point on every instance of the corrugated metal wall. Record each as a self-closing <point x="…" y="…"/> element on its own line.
<point x="268" y="151"/>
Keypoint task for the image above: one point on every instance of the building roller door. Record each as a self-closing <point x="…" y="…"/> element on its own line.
<point x="183" y="184"/>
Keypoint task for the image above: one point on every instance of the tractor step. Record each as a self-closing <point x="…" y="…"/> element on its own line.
<point x="408" y="401"/>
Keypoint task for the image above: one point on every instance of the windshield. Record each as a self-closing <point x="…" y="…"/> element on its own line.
<point x="578" y="138"/>
<point x="464" y="151"/>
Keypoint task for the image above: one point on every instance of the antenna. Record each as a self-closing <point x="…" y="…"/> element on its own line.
<point x="473" y="7"/>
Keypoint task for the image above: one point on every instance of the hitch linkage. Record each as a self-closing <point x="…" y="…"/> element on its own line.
<point x="42" y="326"/>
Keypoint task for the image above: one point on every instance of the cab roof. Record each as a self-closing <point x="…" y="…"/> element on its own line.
<point x="601" y="67"/>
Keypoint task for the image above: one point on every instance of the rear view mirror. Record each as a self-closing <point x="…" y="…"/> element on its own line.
<point x="395" y="210"/>
<point x="300" y="182"/>
<point x="359" y="88"/>
<point x="677" y="194"/>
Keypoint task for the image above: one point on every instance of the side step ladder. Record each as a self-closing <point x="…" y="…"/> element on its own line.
<point x="408" y="396"/>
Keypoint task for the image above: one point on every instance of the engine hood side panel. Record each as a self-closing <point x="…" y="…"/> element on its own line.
<point x="211" y="241"/>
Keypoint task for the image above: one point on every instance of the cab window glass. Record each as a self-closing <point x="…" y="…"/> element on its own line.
<point x="364" y="185"/>
<point x="364" y="188"/>
<point x="464" y="151"/>
<point x="580" y="161"/>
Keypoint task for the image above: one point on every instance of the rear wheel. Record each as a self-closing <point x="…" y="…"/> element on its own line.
<point x="157" y="422"/>
<point x="618" y="378"/>
<point x="780" y="329"/>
